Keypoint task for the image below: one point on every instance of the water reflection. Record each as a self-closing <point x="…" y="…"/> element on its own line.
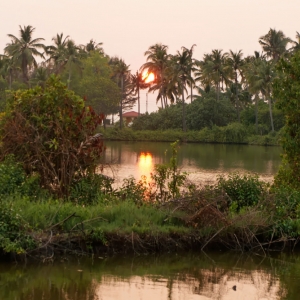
<point x="145" y="164"/>
<point x="173" y="277"/>
<point x="203" y="161"/>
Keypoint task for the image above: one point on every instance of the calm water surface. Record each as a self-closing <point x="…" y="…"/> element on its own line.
<point x="202" y="161"/>
<point x="167" y="277"/>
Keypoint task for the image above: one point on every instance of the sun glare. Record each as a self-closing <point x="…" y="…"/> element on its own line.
<point x="148" y="77"/>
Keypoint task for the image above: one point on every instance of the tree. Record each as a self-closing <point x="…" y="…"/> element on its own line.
<point x="23" y="50"/>
<point x="50" y="131"/>
<point x="57" y="51"/>
<point x="191" y="66"/>
<point x="96" y="85"/>
<point x="212" y="70"/>
<point x="71" y="58"/>
<point x="93" y="46"/>
<point x="274" y="43"/>
<point x="182" y="65"/>
<point x="121" y="74"/>
<point x="235" y="62"/>
<point x="138" y="83"/>
<point x="157" y="62"/>
<point x="287" y="91"/>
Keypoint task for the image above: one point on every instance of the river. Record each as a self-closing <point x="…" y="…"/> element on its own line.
<point x="203" y="162"/>
<point x="232" y="276"/>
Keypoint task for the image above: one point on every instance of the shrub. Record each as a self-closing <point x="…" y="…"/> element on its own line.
<point x="243" y="190"/>
<point x="13" y="236"/>
<point x="14" y="180"/>
<point x="49" y="130"/>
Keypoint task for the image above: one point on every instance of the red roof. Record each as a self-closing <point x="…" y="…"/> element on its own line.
<point x="130" y="114"/>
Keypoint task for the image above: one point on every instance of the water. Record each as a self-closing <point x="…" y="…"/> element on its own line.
<point x="166" y="277"/>
<point x="204" y="162"/>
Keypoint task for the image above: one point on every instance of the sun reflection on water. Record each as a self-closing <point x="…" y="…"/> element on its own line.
<point x="145" y="164"/>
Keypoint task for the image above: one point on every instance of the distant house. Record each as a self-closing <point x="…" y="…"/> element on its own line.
<point x="129" y="116"/>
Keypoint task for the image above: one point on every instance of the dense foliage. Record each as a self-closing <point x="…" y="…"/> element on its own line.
<point x="49" y="130"/>
<point x="287" y="93"/>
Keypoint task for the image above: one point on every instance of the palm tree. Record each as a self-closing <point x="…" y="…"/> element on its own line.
<point x="235" y="63"/>
<point x="212" y="70"/>
<point x="93" y="46"/>
<point x="137" y="84"/>
<point x="7" y="68"/>
<point x="260" y="74"/>
<point x="71" y="58"/>
<point x="120" y="71"/>
<point x="192" y="68"/>
<point x="274" y="43"/>
<point x="296" y="43"/>
<point x="157" y="61"/>
<point x="57" y="51"/>
<point x="23" y="50"/>
<point x="40" y="75"/>
<point x="182" y="66"/>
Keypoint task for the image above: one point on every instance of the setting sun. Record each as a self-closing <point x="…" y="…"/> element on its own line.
<point x="148" y="77"/>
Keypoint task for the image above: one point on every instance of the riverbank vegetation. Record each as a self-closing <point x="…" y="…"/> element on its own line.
<point x="54" y="198"/>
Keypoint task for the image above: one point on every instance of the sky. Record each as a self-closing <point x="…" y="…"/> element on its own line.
<point x="127" y="28"/>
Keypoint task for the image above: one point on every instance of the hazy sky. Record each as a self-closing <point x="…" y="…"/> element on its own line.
<point x="128" y="27"/>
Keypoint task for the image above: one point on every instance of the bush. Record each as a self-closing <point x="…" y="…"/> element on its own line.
<point x="50" y="131"/>
<point x="89" y="189"/>
<point x="243" y="190"/>
<point x="13" y="236"/>
<point x="13" y="180"/>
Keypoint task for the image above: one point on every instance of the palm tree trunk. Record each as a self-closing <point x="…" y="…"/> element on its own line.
<point x="121" y="102"/>
<point x="161" y="100"/>
<point x="69" y="79"/>
<point x="183" y="112"/>
<point x="256" y="113"/>
<point x="237" y="97"/>
<point x="271" y="114"/>
<point x="139" y="105"/>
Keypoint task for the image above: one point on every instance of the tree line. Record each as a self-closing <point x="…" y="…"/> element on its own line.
<point x="108" y="85"/>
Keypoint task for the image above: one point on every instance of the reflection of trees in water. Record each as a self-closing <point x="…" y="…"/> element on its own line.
<point x="184" y="275"/>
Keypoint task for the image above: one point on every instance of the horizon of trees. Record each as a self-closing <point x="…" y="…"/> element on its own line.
<point x="108" y="85"/>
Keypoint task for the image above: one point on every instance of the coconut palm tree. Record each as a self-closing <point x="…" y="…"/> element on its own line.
<point x="57" y="51"/>
<point x="192" y="68"/>
<point x="212" y="70"/>
<point x="138" y="83"/>
<point x="182" y="66"/>
<point x="93" y="46"/>
<point x="235" y="63"/>
<point x="157" y="62"/>
<point x="24" y="49"/>
<point x="260" y="75"/>
<point x="296" y="43"/>
<point x="8" y="68"/>
<point x="274" y="43"/>
<point x="71" y="58"/>
<point x="120" y="72"/>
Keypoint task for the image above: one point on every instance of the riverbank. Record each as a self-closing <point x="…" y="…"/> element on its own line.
<point x="248" y="218"/>
<point x="230" y="134"/>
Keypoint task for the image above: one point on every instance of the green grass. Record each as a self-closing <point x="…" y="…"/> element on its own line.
<point x="117" y="217"/>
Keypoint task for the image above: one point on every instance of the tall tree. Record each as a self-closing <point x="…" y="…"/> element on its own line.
<point x="120" y="72"/>
<point x="192" y="68"/>
<point x="71" y="58"/>
<point x="57" y="51"/>
<point x="212" y="70"/>
<point x="182" y="65"/>
<point x="235" y="62"/>
<point x="274" y="43"/>
<point x="138" y="83"/>
<point x="24" y="49"/>
<point x="157" y="62"/>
